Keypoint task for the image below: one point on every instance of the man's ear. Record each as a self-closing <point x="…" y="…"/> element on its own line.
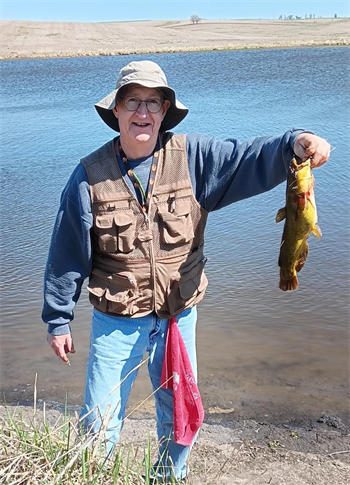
<point x="166" y="106"/>
<point x="115" y="111"/>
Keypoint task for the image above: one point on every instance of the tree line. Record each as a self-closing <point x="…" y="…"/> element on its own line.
<point x="195" y="19"/>
<point x="296" y="17"/>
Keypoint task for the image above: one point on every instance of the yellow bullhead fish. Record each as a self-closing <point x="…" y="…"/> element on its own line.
<point x="300" y="216"/>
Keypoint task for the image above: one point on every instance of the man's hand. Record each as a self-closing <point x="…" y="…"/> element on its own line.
<point x="307" y="145"/>
<point x="62" y="345"/>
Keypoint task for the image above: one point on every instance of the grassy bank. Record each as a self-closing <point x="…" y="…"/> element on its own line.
<point x="43" y="447"/>
<point x="25" y="39"/>
<point x="35" y="451"/>
<point x="46" y="447"/>
<point x="172" y="50"/>
<point x="39" y="447"/>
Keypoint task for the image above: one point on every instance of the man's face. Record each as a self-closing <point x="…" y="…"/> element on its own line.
<point x="140" y="126"/>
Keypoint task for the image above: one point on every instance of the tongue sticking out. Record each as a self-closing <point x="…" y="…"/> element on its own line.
<point x="143" y="137"/>
<point x="142" y="131"/>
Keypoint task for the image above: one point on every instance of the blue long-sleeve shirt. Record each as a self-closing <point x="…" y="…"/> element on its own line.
<point x="222" y="172"/>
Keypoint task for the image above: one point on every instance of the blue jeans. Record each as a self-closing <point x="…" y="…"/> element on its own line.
<point x="117" y="346"/>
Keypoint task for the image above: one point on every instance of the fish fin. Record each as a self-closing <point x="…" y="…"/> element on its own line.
<point x="301" y="261"/>
<point x="317" y="231"/>
<point x="289" y="284"/>
<point x="281" y="214"/>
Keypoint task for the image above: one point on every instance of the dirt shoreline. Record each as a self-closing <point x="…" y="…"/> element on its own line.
<point x="237" y="452"/>
<point x="30" y="40"/>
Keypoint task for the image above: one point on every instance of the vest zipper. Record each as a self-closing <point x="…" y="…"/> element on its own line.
<point x="110" y="208"/>
<point x="127" y="278"/>
<point x="106" y="201"/>
<point x="168" y="191"/>
<point x="153" y="263"/>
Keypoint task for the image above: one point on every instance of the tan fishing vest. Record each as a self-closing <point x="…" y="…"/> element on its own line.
<point x="144" y="263"/>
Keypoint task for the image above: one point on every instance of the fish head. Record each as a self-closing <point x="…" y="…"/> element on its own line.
<point x="300" y="179"/>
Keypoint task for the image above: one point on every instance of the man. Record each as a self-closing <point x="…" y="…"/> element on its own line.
<point x="132" y="219"/>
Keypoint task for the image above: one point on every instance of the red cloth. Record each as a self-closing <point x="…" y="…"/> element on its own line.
<point x="177" y="375"/>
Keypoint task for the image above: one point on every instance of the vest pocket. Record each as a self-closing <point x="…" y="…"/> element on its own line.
<point x="177" y="221"/>
<point x="107" y="233"/>
<point x="116" y="231"/>
<point x="113" y="293"/>
<point x="125" y="222"/>
<point x="187" y="290"/>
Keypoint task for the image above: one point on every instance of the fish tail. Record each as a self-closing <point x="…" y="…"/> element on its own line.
<point x="290" y="283"/>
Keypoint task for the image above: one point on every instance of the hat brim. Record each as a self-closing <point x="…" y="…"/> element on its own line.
<point x="174" y="115"/>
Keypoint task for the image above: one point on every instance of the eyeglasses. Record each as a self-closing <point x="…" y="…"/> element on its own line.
<point x="154" y="105"/>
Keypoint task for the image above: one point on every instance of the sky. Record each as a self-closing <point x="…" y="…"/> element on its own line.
<point x="127" y="10"/>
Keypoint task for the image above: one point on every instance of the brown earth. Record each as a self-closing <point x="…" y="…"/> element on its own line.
<point x="27" y="39"/>
<point x="246" y="452"/>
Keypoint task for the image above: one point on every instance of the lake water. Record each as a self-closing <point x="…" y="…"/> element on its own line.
<point x="261" y="351"/>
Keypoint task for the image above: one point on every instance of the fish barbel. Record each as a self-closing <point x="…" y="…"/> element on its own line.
<point x="300" y="216"/>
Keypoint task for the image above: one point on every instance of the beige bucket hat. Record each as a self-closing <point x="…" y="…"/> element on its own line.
<point x="150" y="75"/>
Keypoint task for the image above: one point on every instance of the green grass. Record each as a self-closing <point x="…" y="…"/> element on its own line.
<point x="35" y="450"/>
